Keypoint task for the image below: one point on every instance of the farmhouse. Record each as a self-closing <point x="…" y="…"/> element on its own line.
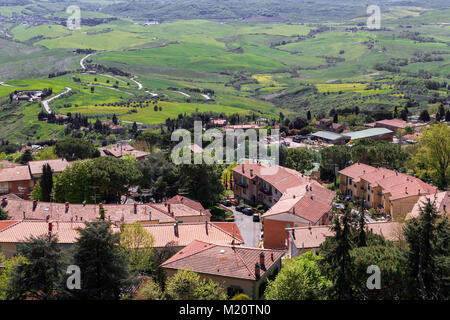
<point x="239" y="269"/>
<point x="391" y="124"/>
<point x="329" y="125"/>
<point x="388" y="191"/>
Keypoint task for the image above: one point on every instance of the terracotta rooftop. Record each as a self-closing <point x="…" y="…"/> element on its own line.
<point x="441" y="200"/>
<point x="178" y="199"/>
<point x="314" y="236"/>
<point x="165" y="234"/>
<point x="398" y="185"/>
<point x="178" y="210"/>
<point x="20" y="231"/>
<point x="222" y="260"/>
<point x="310" y="201"/>
<point x="18" y="208"/>
<point x="397" y="123"/>
<point x="6" y="223"/>
<point x="20" y="173"/>
<point x="57" y="165"/>
<point x="120" y="150"/>
<point x="7" y="164"/>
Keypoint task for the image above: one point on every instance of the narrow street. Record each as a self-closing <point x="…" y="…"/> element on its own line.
<point x="250" y="230"/>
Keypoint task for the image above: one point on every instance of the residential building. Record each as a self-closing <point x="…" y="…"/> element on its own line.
<point x="441" y="201"/>
<point x="391" y="124"/>
<point x="19" y="231"/>
<point x="16" y="180"/>
<point x="120" y="150"/>
<point x="57" y="166"/>
<point x="294" y="199"/>
<point x="303" y="239"/>
<point x="179" y="235"/>
<point x="238" y="269"/>
<point x="388" y="191"/>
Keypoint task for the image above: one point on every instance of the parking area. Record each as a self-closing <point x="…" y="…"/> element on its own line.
<point x="249" y="229"/>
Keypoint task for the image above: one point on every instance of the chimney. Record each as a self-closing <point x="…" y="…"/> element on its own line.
<point x="50" y="227"/>
<point x="206" y="226"/>
<point x="419" y="192"/>
<point x="135" y="208"/>
<point x="312" y="197"/>
<point x="444" y="207"/>
<point x="67" y="207"/>
<point x="406" y="190"/>
<point x="257" y="271"/>
<point x="168" y="208"/>
<point x="310" y="188"/>
<point x="24" y="215"/>
<point x="175" y="229"/>
<point x="251" y="172"/>
<point x="243" y="169"/>
<point x="294" y="196"/>
<point x="262" y="260"/>
<point x="271" y="256"/>
<point x="34" y="204"/>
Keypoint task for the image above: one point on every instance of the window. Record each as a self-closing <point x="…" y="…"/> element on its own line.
<point x="368" y="197"/>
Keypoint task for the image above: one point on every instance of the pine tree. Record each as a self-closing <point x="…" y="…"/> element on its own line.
<point x="337" y="261"/>
<point x="428" y="240"/>
<point x="40" y="277"/>
<point x="308" y="115"/>
<point x="46" y="183"/>
<point x="105" y="273"/>
<point x="3" y="214"/>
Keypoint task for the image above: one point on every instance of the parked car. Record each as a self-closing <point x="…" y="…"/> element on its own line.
<point x="256" y="217"/>
<point x="226" y="203"/>
<point x="240" y="208"/>
<point x="248" y="211"/>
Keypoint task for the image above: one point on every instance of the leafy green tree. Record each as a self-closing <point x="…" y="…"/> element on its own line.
<point x="150" y="290"/>
<point x="241" y="296"/>
<point x="46" y="183"/>
<point x="432" y="157"/>
<point x="74" y="149"/>
<point x="202" y="182"/>
<point x="40" y="277"/>
<point x="393" y="264"/>
<point x="428" y="238"/>
<point x="26" y="157"/>
<point x="98" y="179"/>
<point x="138" y="245"/>
<point x="3" y="214"/>
<point x="151" y="137"/>
<point x="104" y="266"/>
<point x="5" y="276"/>
<point x="380" y="153"/>
<point x="187" y="285"/>
<point x="159" y="177"/>
<point x="299" y="159"/>
<point x="333" y="156"/>
<point x="424" y="116"/>
<point x="299" y="279"/>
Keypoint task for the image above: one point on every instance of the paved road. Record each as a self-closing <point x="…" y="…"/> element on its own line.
<point x="45" y="103"/>
<point x="140" y="86"/>
<point x="250" y="230"/>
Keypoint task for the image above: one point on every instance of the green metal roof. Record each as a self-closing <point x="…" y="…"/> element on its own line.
<point x="367" y="133"/>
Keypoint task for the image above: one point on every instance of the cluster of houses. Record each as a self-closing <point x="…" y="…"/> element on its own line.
<point x="297" y="220"/>
<point x="20" y="179"/>
<point x="30" y="96"/>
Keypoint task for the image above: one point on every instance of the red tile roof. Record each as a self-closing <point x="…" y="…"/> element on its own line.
<point x="17" y="208"/>
<point x="314" y="236"/>
<point x="356" y="170"/>
<point x="441" y="200"/>
<point x="22" y="230"/>
<point x="21" y="173"/>
<point x="57" y="165"/>
<point x="178" y="199"/>
<point x="310" y="201"/>
<point x="231" y="228"/>
<point x="222" y="260"/>
<point x="6" y="223"/>
<point x="164" y="234"/>
<point x="120" y="150"/>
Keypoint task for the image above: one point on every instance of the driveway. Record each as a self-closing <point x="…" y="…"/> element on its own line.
<point x="250" y="230"/>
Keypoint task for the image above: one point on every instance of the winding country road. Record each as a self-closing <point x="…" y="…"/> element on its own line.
<point x="45" y="102"/>
<point x="82" y="61"/>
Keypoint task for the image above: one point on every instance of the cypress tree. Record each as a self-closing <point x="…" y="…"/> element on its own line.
<point x="46" y="183"/>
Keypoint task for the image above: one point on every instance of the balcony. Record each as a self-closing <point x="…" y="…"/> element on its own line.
<point x="241" y="184"/>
